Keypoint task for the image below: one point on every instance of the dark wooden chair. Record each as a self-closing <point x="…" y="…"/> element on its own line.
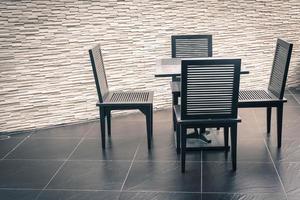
<point x="274" y="95"/>
<point x="209" y="98"/>
<point x="188" y="46"/>
<point x="110" y="100"/>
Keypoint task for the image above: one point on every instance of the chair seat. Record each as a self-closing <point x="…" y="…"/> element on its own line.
<point x="175" y="87"/>
<point x="206" y="122"/>
<point x="257" y="98"/>
<point x="128" y="98"/>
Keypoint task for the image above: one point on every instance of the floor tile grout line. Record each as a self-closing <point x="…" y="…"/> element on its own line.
<point x="131" y="164"/>
<point x="55" y="138"/>
<point x="71" y="160"/>
<point x="133" y="191"/>
<point x="276" y="170"/>
<point x="61" y="166"/>
<point x="13" y="149"/>
<point x="240" y="161"/>
<point x="201" y="171"/>
<point x="147" y="161"/>
<point x="255" y="118"/>
<point x="64" y="162"/>
<point x="295" y="97"/>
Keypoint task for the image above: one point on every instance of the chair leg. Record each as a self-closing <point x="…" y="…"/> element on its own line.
<point x="174" y="118"/>
<point x="269" y="114"/>
<point x="202" y="130"/>
<point x="102" y="125"/>
<point x="178" y="138"/>
<point x="183" y="147"/>
<point x="279" y="124"/>
<point x="174" y="102"/>
<point x="148" y="124"/>
<point x="226" y="131"/>
<point x="151" y="123"/>
<point x="233" y="136"/>
<point x="176" y="99"/>
<point x="108" y="118"/>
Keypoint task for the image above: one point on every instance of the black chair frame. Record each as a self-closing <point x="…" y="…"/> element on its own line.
<point x="207" y="52"/>
<point x="274" y="95"/>
<point x="113" y="100"/>
<point x="214" y="115"/>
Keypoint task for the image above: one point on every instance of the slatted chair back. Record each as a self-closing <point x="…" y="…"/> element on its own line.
<point x="99" y="72"/>
<point x="280" y="68"/>
<point x="191" y="46"/>
<point x="210" y="88"/>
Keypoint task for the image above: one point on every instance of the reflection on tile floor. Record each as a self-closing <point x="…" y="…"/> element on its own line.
<point x="68" y="163"/>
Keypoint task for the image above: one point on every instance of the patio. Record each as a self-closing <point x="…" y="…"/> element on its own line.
<point x="150" y="100"/>
<point x="67" y="162"/>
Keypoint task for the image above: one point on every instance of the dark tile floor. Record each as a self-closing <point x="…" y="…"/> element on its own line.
<point x="68" y="163"/>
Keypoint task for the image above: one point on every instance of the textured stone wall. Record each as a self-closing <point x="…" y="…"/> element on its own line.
<point x="46" y="76"/>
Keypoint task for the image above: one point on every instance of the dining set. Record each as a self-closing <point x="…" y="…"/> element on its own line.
<point x="205" y="90"/>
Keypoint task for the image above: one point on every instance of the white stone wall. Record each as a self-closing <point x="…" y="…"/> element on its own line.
<point x="45" y="73"/>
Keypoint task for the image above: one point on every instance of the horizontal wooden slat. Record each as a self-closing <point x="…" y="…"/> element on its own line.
<point x="99" y="72"/>
<point x="209" y="89"/>
<point x="280" y="66"/>
<point x="187" y="48"/>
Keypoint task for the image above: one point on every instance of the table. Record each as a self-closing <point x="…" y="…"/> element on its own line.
<point x="171" y="67"/>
